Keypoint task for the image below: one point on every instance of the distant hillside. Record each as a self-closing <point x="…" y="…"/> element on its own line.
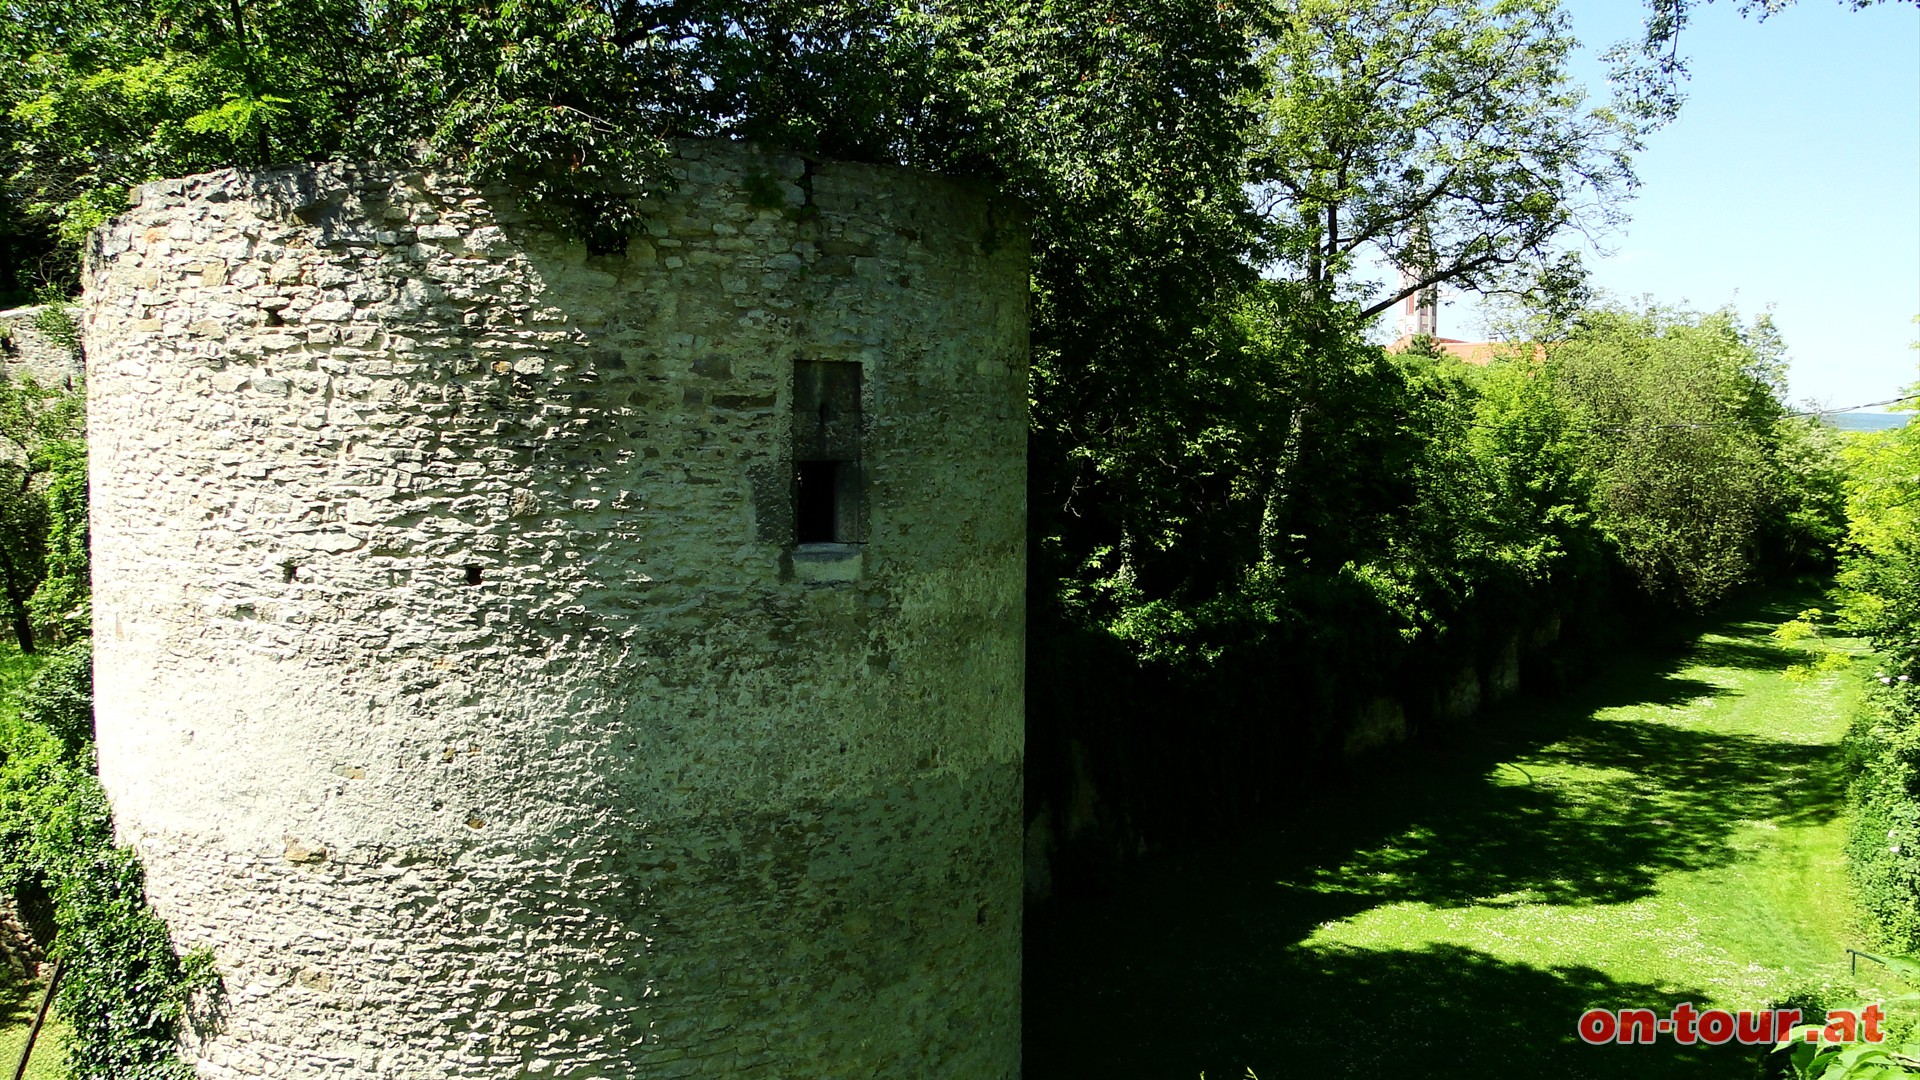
<point x="1867" y="421"/>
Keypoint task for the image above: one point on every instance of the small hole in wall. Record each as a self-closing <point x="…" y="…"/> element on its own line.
<point x="287" y="570"/>
<point x="473" y="575"/>
<point x="274" y="319"/>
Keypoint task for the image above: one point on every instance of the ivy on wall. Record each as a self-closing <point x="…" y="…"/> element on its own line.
<point x="124" y="990"/>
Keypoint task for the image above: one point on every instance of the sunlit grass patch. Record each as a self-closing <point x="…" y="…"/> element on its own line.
<point x="19" y="1002"/>
<point x="1670" y="833"/>
<point x="1736" y="841"/>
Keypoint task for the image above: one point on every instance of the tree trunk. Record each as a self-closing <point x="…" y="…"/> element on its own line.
<point x="17" y="594"/>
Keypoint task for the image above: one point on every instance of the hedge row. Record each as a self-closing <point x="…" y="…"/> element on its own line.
<point x="1880" y="577"/>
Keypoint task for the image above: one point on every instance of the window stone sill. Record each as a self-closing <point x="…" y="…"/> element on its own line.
<point x="827" y="562"/>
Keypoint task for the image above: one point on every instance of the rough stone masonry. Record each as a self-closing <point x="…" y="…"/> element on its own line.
<point x="520" y="663"/>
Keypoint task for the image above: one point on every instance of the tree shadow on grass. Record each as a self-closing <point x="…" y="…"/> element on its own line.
<point x="1199" y="963"/>
<point x="1438" y="1012"/>
<point x="19" y="1003"/>
<point x="19" y="999"/>
<point x="1597" y="816"/>
<point x="1745" y="655"/>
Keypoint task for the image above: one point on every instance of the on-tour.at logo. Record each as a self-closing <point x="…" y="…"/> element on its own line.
<point x="1687" y="1025"/>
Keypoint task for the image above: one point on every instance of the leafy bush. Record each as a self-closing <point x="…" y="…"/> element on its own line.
<point x="1883" y="840"/>
<point x="52" y="811"/>
<point x="60" y="698"/>
<point x="1809" y="1050"/>
<point x="1880" y="580"/>
<point x="61" y="606"/>
<point x="125" y="991"/>
<point x="55" y="318"/>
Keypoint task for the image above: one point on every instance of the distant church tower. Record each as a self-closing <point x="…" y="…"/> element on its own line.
<point x="1420" y="311"/>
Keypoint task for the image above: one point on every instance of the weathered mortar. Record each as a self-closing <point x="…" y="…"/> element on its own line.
<point x="458" y="677"/>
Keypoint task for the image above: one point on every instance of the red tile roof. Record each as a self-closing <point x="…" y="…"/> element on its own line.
<point x="1477" y="353"/>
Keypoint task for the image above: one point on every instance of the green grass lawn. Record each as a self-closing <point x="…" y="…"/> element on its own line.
<point x="1669" y="833"/>
<point x="19" y="1001"/>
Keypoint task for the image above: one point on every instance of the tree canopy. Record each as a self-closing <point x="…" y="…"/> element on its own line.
<point x="572" y="99"/>
<point x="1444" y="135"/>
<point x="1696" y="468"/>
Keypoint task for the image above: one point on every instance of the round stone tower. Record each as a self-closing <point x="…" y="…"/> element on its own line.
<point x="516" y="663"/>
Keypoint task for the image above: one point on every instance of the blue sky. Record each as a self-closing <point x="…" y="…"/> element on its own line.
<point x="1790" y="182"/>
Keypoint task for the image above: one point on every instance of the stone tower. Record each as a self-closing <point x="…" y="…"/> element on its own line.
<point x="515" y="663"/>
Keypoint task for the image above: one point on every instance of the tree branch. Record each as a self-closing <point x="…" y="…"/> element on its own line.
<point x="1438" y="277"/>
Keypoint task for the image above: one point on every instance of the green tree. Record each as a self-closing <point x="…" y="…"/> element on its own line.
<point x="573" y="99"/>
<point x="1881" y="569"/>
<point x="1809" y="522"/>
<point x="1680" y="422"/>
<point x="1880" y="598"/>
<point x="107" y="95"/>
<point x="1446" y="136"/>
<point x="41" y="455"/>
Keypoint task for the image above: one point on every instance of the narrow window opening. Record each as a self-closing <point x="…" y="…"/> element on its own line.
<point x="814" y="512"/>
<point x="829" y="499"/>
